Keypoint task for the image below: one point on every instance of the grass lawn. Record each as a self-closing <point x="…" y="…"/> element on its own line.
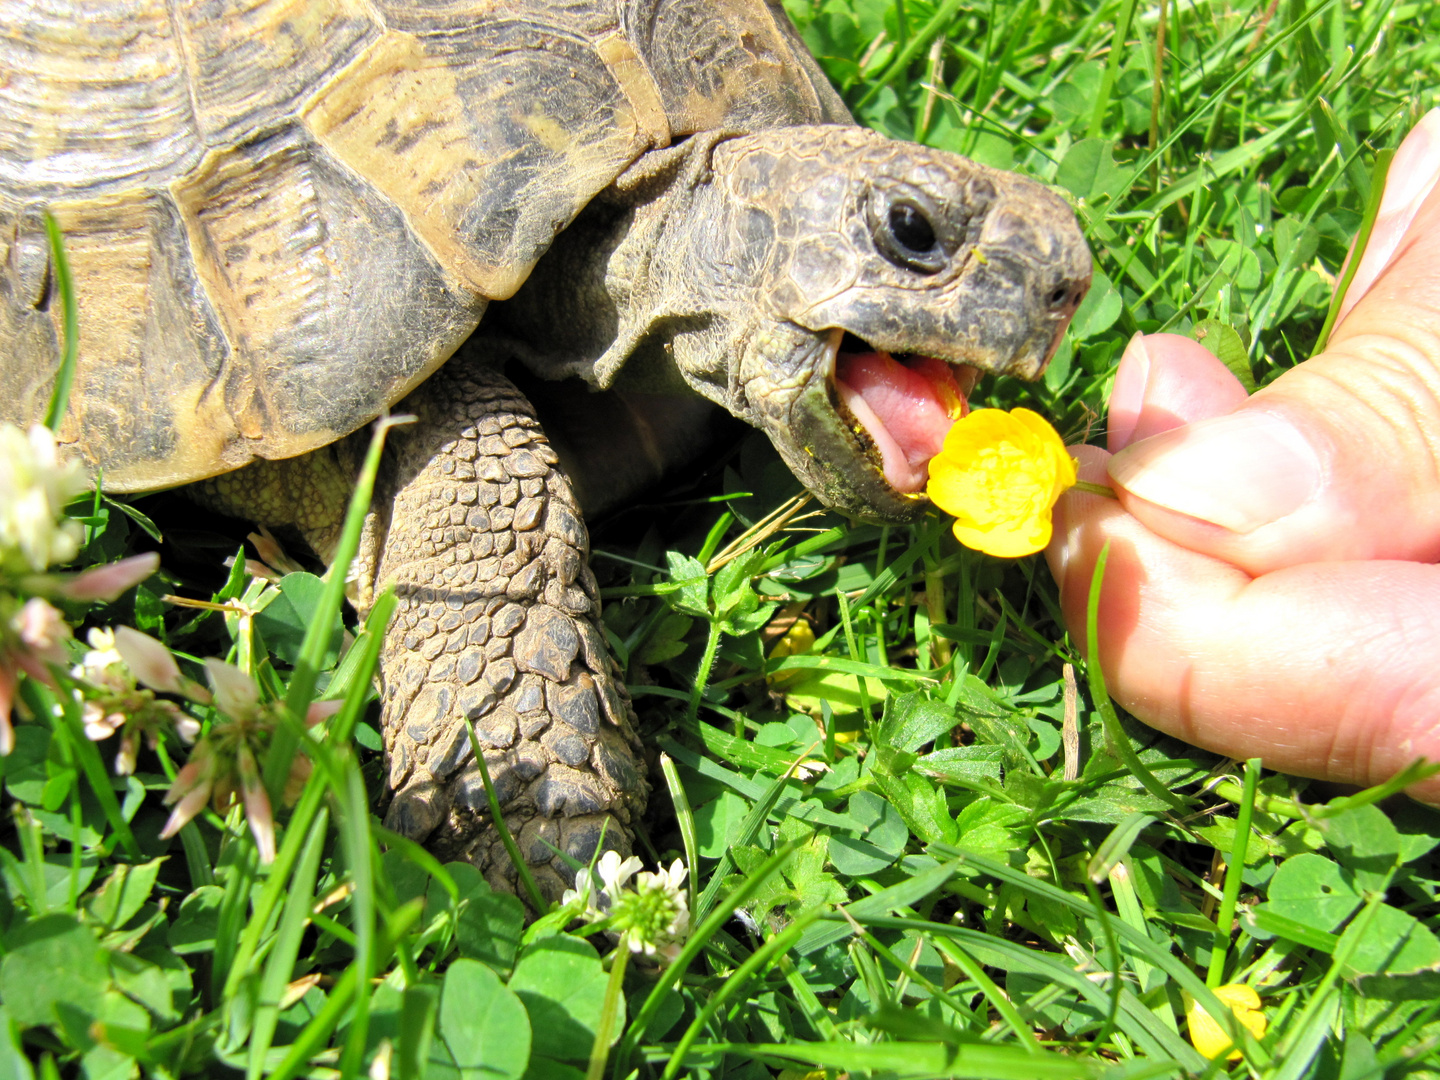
<point x="979" y="870"/>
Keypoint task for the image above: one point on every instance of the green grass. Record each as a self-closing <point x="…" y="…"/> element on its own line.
<point x="986" y="875"/>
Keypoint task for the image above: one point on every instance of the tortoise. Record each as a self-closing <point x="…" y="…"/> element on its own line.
<point x="285" y="216"/>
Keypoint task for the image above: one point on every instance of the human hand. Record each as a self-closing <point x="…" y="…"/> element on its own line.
<point x="1271" y="589"/>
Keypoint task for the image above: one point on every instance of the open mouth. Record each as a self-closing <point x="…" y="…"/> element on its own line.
<point x="899" y="406"/>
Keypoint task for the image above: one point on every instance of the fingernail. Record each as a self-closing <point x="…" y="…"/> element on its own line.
<point x="1240" y="471"/>
<point x="1127" y="396"/>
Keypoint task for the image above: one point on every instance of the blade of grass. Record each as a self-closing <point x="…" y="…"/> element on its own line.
<point x="311" y="799"/>
<point x="1357" y="251"/>
<point x="532" y="890"/>
<point x="1112" y="68"/>
<point x="777" y="945"/>
<point x="353" y="820"/>
<point x="685" y="822"/>
<point x="70" y="324"/>
<point x="1115" y="738"/>
<point x="301" y="690"/>
<point x="280" y="965"/>
<point x="1234" y="873"/>
<point x="911" y="49"/>
<point x="940" y="1061"/>
<point x="69" y="726"/>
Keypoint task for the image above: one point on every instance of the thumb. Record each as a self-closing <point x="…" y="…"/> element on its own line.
<point x="1339" y="458"/>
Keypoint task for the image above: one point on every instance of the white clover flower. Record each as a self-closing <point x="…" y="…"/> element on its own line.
<point x="600" y="887"/>
<point x="101" y="656"/>
<point x="35" y="485"/>
<point x="657" y="913"/>
<point x="653" y="916"/>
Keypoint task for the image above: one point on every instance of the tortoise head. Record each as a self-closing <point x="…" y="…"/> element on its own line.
<point x="853" y="288"/>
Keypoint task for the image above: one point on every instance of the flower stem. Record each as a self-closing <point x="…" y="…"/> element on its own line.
<point x="610" y="1011"/>
<point x="702" y="673"/>
<point x="1234" y="872"/>
<point x="1095" y="489"/>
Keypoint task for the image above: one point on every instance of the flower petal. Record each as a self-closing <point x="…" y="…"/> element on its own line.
<point x="109" y="581"/>
<point x="999" y="475"/>
<point x="257" y="805"/>
<point x="236" y="694"/>
<point x="149" y="660"/>
<point x="1209" y="1037"/>
<point x="8" y="679"/>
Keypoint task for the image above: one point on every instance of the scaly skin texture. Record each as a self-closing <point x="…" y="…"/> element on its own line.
<point x="478" y="533"/>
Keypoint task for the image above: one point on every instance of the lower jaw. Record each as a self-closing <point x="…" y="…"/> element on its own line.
<point x="822" y="448"/>
<point x="919" y="423"/>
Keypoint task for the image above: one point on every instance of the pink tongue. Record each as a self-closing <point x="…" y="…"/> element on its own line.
<point x="901" y="408"/>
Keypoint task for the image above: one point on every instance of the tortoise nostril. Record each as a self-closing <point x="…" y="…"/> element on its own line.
<point x="1065" y="296"/>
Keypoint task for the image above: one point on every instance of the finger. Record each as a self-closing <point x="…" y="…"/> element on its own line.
<point x="1337" y="459"/>
<point x="1165" y="381"/>
<point x="1409" y="181"/>
<point x="1322" y="670"/>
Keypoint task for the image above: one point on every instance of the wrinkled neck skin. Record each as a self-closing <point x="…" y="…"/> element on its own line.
<point x="734" y="264"/>
<point x="623" y="286"/>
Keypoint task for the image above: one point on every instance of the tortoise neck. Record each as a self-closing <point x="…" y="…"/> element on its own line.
<point x="609" y="299"/>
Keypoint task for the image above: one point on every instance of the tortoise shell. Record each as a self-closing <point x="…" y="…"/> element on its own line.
<point x="281" y="215"/>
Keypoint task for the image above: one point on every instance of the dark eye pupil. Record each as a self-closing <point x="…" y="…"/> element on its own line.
<point x="910" y="229"/>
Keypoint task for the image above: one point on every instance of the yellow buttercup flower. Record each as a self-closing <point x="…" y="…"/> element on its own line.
<point x="999" y="474"/>
<point x="1209" y="1037"/>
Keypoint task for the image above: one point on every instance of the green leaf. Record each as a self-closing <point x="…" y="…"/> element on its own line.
<point x="731" y="591"/>
<point x="992" y="828"/>
<point x="693" y="595"/>
<point x="125" y="891"/>
<point x="1225" y="343"/>
<point x="14" y="1065"/>
<point x="56" y="869"/>
<point x="1394" y="943"/>
<point x="962" y="765"/>
<point x="562" y="983"/>
<point x="284" y="621"/>
<point x="490" y="923"/>
<point x="154" y="977"/>
<point x="193" y="930"/>
<point x="112" y="1039"/>
<point x="877" y="845"/>
<point x="1365" y="843"/>
<point x="813" y="886"/>
<point x="718" y="822"/>
<point x="1312" y="890"/>
<point x="1099" y="310"/>
<point x="483" y="1026"/>
<point x="921" y="805"/>
<point x="53" y="963"/>
<point x="1088" y="171"/>
<point x="25" y="770"/>
<point x="417" y="1031"/>
<point x="914" y="719"/>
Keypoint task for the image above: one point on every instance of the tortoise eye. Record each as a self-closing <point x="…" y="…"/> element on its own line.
<point x="911" y="229"/>
<point x="905" y="234"/>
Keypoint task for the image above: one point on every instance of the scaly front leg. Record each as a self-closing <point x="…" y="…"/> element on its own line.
<point x="498" y="622"/>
